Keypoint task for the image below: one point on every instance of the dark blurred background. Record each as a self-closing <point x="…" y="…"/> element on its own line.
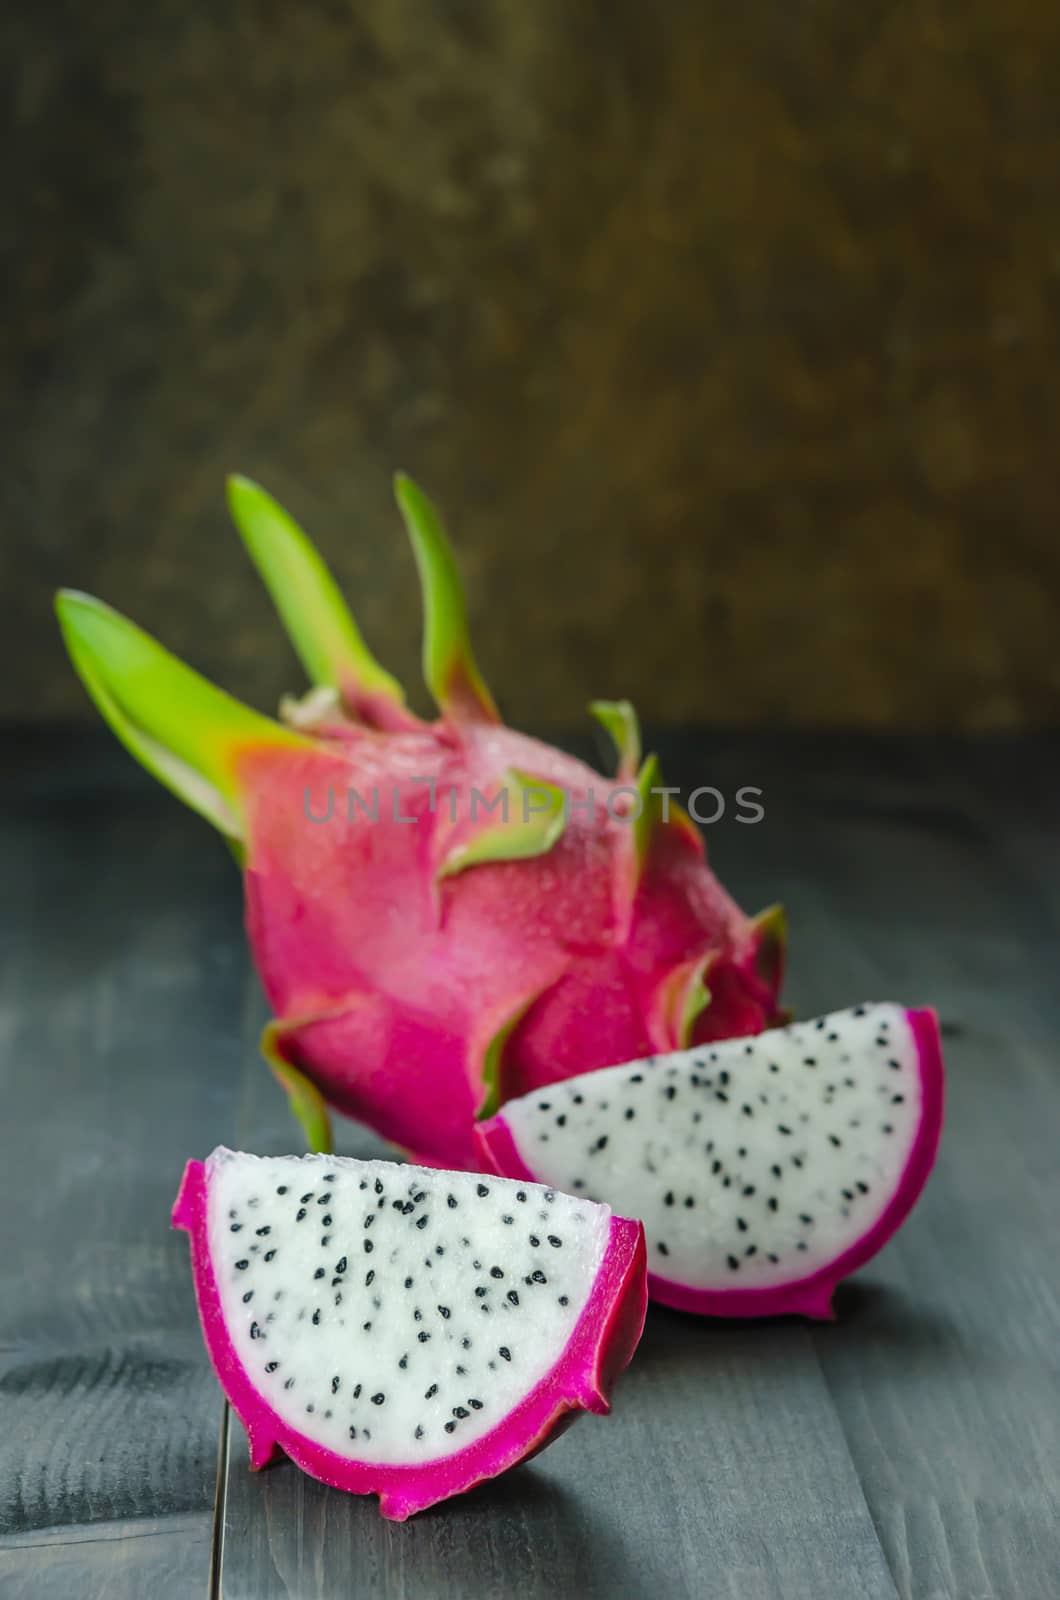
<point x="728" y="337"/>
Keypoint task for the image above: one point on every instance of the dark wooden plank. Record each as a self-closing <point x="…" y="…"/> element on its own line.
<point x="943" y="1365"/>
<point x="118" y="1058"/>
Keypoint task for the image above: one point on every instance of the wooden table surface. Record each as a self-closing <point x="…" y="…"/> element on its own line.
<point x="910" y="1449"/>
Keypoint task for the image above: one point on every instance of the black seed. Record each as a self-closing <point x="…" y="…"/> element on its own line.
<point x="289" y="1384"/>
<point x="269" y="1254"/>
<point x="723" y="1079"/>
<point x="335" y="1385"/>
<point x="773" y="1258"/>
<point x="419" y="1432"/>
<point x="451" y="1202"/>
<point x="748" y="1049"/>
<point x="554" y="1242"/>
<point x="325" y="1199"/>
<point x="722" y="1097"/>
<point x="690" y="1201"/>
<point x="508" y="1220"/>
<point x="465" y="1343"/>
<point x="741" y="1224"/>
<point x="520" y="1194"/>
<point x="476" y="1405"/>
<point x="663" y="1249"/>
<point x="888" y="1127"/>
<point x="481" y="1291"/>
<point x="537" y="1277"/>
<point x="319" y="1273"/>
<point x="300" y="1214"/>
<point x="775" y="1171"/>
<point x="444" y="1311"/>
<point x="894" y="1066"/>
<point x="461" y="1412"/>
<point x="481" y="1190"/>
<point x="563" y="1300"/>
<point x="241" y="1266"/>
<point x="834" y="1140"/>
<point x="327" y="1221"/>
<point x="809" y="1061"/>
<point x="307" y="1197"/>
<point x="513" y="1297"/>
<point x="804" y="1218"/>
<point x="340" y="1265"/>
<point x="370" y="1218"/>
<point x="255" y="1331"/>
<point x="310" y="1407"/>
<point x="356" y="1391"/>
<point x="773" y="1067"/>
<point x="544" y="1105"/>
<point x="534" y="1240"/>
<point x="367" y="1326"/>
<point x="421" y="1195"/>
<point x="408" y="1283"/>
<point x="403" y="1363"/>
<point x="431" y="1392"/>
<point x="848" y="1194"/>
<point x="270" y="1366"/>
<point x="668" y="1198"/>
<point x="734" y="1265"/>
<point x="378" y="1186"/>
<point x="670" y="1091"/>
<point x="715" y="1167"/>
<point x="747" y="1111"/>
<point x="725" y="1182"/>
<point x="772" y="1203"/>
<point x="742" y="1151"/>
<point x="449" y="1427"/>
<point x="782" y="1129"/>
<point x="316" y="1317"/>
<point x="367" y="1247"/>
<point x="863" y="1188"/>
<point x="578" y="1099"/>
<point x="629" y="1113"/>
<point x="421" y="1222"/>
<point x="423" y="1337"/>
<point x="897" y="1099"/>
<point x="369" y="1278"/>
<point x="752" y="1249"/>
<point x="236" y="1227"/>
<point x="796" y="1161"/>
<point x="801" y="1245"/>
<point x="282" y="1189"/>
<point x="377" y="1399"/>
<point x="750" y="1189"/>
<point x="601" y="1143"/>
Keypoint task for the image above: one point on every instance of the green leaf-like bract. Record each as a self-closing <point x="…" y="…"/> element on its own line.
<point x="325" y="636"/>
<point x="177" y="724"/>
<point x="619" y="720"/>
<point x="449" y="667"/>
<point x="524" y="830"/>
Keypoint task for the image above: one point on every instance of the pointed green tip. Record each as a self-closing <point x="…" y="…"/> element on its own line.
<point x="177" y="724"/>
<point x="619" y="720"/>
<point x="307" y="1104"/>
<point x="648" y="778"/>
<point x="532" y="817"/>
<point x="449" y="667"/>
<point x="319" y="625"/>
<point x="771" y="945"/>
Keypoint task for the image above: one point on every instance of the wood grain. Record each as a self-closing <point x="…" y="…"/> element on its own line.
<point x="118" y="1054"/>
<point x="911" y="1449"/>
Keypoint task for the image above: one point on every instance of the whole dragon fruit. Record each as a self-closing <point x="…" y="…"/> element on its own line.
<point x="444" y="914"/>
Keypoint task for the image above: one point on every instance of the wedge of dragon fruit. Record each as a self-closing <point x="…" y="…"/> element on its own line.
<point x="443" y="913"/>
<point x="764" y="1170"/>
<point x="401" y="1331"/>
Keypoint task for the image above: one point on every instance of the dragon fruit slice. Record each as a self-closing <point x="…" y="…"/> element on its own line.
<point x="446" y="913"/>
<point x="765" y="1171"/>
<point x="401" y="1331"/>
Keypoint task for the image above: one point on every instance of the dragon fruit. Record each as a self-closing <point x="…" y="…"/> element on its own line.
<point x="444" y="914"/>
<point x="401" y="1331"/>
<point x="764" y="1171"/>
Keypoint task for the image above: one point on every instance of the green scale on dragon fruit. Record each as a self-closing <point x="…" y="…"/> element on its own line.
<point x="405" y="1331"/>
<point x="765" y="1170"/>
<point x="426" y="962"/>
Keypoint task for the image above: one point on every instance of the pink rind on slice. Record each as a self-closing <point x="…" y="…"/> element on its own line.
<point x="599" y="1349"/>
<point x="810" y="1296"/>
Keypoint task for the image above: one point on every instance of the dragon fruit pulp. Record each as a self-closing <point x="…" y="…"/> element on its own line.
<point x="402" y="1331"/>
<point x="446" y="913"/>
<point x="764" y="1170"/>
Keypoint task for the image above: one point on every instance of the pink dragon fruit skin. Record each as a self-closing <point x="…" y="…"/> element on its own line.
<point x="905" y="1056"/>
<point x="426" y="963"/>
<point x="600" y="1348"/>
